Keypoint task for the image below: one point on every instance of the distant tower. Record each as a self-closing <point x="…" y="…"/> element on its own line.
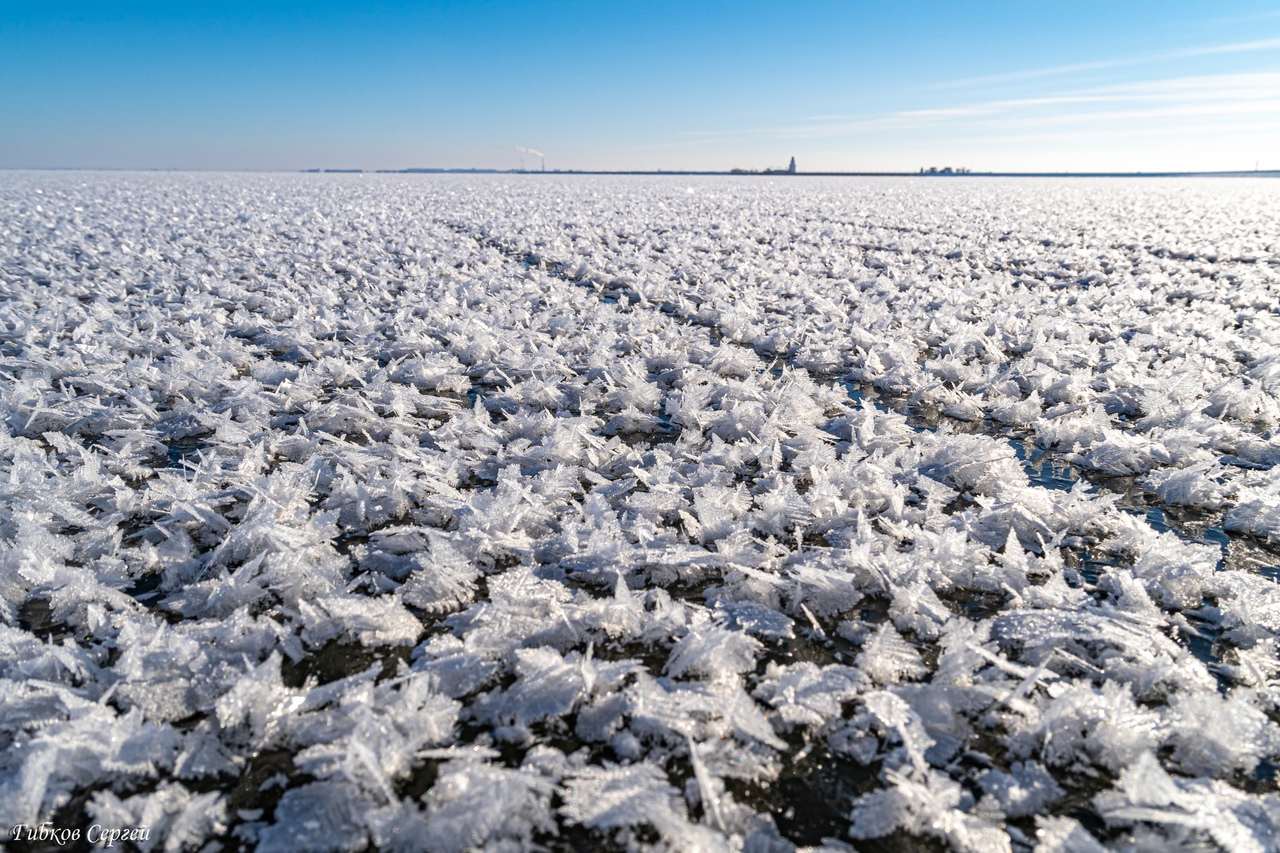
<point x="791" y="170"/>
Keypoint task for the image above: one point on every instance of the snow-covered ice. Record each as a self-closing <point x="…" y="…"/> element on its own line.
<point x="513" y="513"/>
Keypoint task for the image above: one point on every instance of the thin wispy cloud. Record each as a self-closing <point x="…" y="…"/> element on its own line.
<point x="1101" y="65"/>
<point x="1186" y="130"/>
<point x="1267" y="109"/>
<point x="1224" y="89"/>
<point x="1220" y="95"/>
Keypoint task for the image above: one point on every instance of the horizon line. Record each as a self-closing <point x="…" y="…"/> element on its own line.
<point x="769" y="173"/>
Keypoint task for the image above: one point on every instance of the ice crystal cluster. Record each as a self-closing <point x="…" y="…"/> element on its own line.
<point x="444" y="513"/>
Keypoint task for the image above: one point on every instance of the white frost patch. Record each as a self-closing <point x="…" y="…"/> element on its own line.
<point x="535" y="497"/>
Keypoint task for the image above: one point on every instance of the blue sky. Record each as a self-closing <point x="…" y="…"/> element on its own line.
<point x="841" y="86"/>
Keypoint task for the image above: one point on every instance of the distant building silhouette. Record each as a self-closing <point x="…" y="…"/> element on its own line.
<point x="790" y="170"/>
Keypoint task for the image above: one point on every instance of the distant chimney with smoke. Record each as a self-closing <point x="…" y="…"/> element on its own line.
<point x="534" y="152"/>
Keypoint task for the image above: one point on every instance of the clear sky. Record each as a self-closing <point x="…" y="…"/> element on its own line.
<point x="1082" y="85"/>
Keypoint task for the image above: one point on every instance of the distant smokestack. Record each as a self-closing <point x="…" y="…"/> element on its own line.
<point x="534" y="153"/>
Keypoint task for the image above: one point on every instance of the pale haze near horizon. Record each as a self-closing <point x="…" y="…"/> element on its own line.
<point x="990" y="87"/>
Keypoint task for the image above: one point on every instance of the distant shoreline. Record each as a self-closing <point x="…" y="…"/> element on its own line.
<point x="1263" y="173"/>
<point x="1266" y="173"/>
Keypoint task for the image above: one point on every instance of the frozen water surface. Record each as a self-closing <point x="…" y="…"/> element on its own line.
<point x="515" y="513"/>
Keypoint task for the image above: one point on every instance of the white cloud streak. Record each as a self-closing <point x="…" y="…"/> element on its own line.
<point x="1059" y="70"/>
<point x="1221" y="96"/>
